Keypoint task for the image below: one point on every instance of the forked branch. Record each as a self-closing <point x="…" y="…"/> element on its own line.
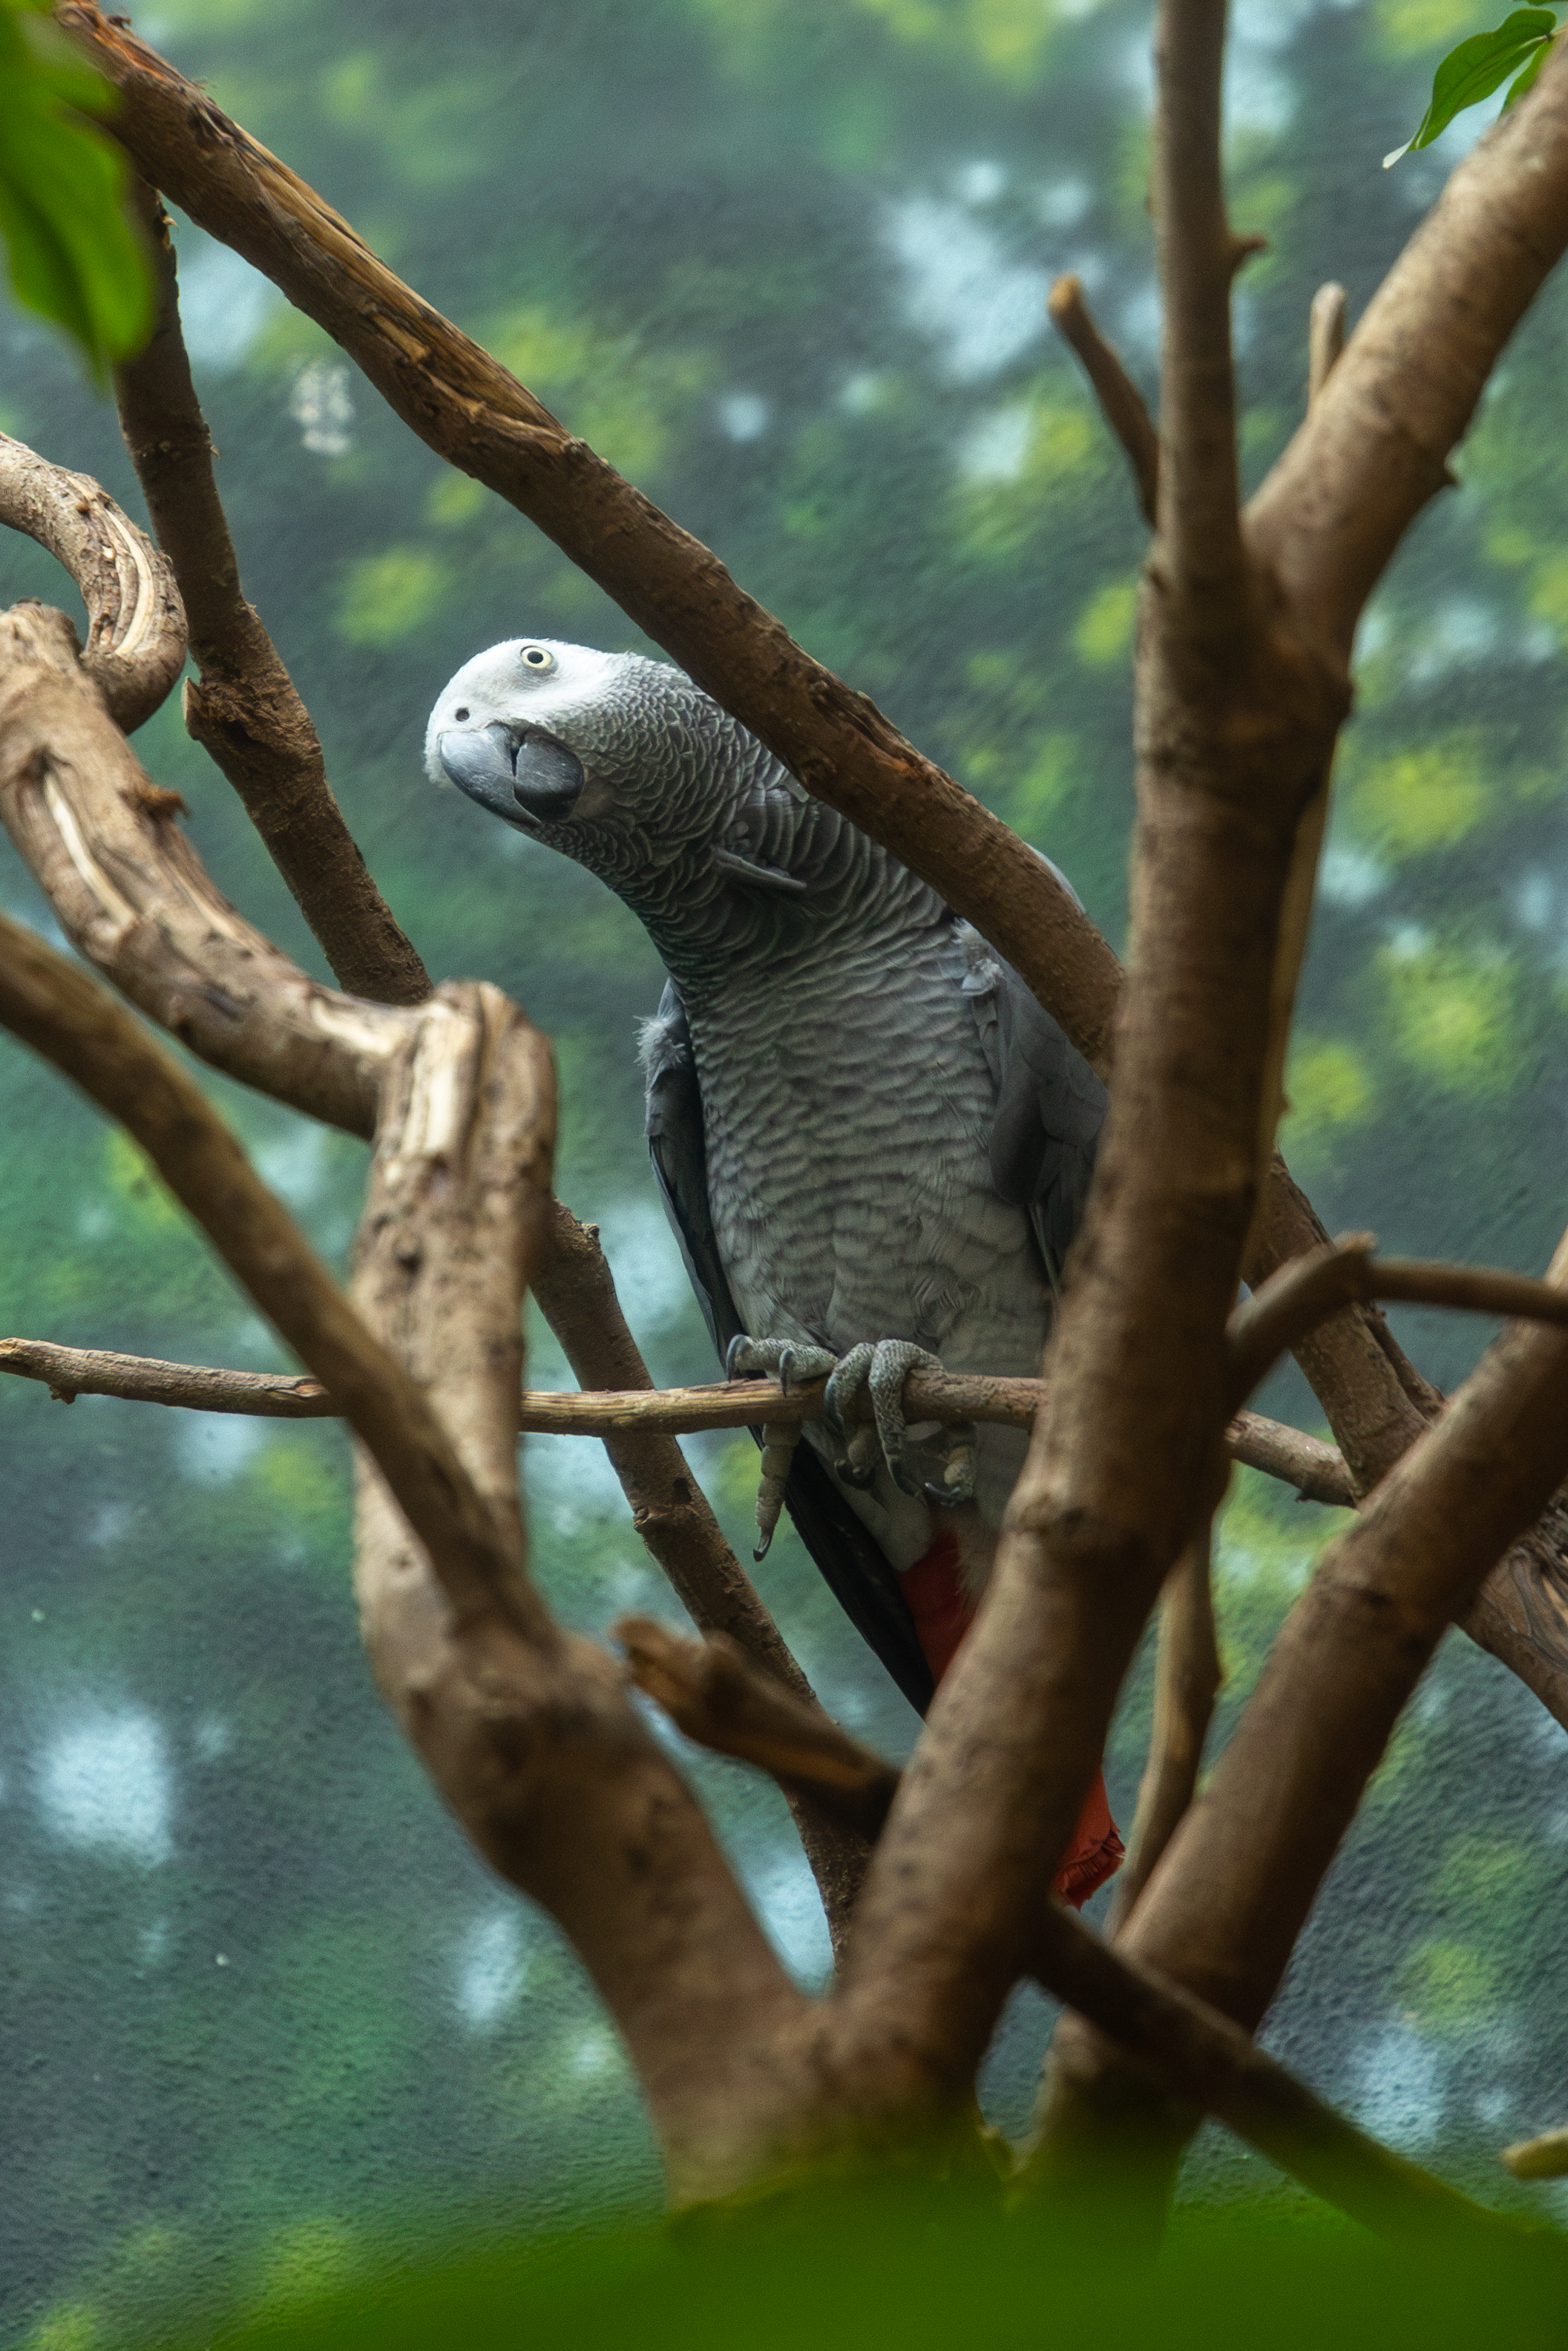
<point x="717" y="1701"/>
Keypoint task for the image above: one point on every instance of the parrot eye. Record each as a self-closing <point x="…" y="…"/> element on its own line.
<point x="536" y="657"/>
<point x="460" y="714"/>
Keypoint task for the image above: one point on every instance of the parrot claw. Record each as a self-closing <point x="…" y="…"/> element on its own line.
<point x="878" y="1372"/>
<point x="783" y="1360"/>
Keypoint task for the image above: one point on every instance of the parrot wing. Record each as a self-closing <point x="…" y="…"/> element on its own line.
<point x="847" y="1554"/>
<point x="1050" y="1107"/>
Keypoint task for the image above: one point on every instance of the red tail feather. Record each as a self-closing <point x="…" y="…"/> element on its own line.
<point x="942" y="1609"/>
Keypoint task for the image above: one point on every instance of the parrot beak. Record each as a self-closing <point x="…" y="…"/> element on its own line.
<point x="536" y="781"/>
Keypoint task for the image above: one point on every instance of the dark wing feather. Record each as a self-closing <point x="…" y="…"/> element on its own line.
<point x="1050" y="1107"/>
<point x="847" y="1554"/>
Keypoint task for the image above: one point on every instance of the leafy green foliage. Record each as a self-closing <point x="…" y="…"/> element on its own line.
<point x="75" y="257"/>
<point x="922" y="2268"/>
<point x="1481" y="65"/>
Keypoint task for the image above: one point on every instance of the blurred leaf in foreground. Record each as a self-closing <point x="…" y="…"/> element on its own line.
<point x="74" y="256"/>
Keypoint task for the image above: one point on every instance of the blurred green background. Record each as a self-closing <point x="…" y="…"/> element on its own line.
<point x="784" y="262"/>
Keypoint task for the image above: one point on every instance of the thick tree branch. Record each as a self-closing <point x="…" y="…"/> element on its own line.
<point x="1222" y="1911"/>
<point x="1375" y="443"/>
<point x="132" y="893"/>
<point x="1200" y="530"/>
<point x="623" y="1415"/>
<point x="1119" y="397"/>
<point x="532" y="1741"/>
<point x="59" y="1012"/>
<point x="712" y="1695"/>
<point x="245" y="711"/>
<point x="136" y="628"/>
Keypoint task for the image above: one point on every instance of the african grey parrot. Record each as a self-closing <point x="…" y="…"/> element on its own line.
<point x="871" y="1142"/>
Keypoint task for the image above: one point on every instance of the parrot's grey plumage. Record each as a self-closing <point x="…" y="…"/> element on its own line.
<point x="864" y="1126"/>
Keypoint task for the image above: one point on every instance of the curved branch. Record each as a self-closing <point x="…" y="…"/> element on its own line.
<point x="1310" y="1289"/>
<point x="136" y="625"/>
<point x="244" y="710"/>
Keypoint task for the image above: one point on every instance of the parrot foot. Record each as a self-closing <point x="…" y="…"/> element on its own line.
<point x="877" y="1373"/>
<point x="783" y="1361"/>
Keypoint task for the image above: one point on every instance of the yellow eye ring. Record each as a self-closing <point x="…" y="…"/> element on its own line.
<point x="535" y="657"/>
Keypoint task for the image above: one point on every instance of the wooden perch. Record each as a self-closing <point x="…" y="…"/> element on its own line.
<point x="627" y="1418"/>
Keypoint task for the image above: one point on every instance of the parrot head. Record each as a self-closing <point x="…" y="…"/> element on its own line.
<point x="621" y="762"/>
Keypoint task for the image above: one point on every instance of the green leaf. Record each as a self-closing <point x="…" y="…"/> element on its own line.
<point x="1479" y="66"/>
<point x="75" y="257"/>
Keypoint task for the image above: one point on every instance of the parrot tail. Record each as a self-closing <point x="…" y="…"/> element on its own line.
<point x="933" y="1589"/>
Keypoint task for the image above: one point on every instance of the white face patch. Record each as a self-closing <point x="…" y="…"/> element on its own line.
<point x="528" y="681"/>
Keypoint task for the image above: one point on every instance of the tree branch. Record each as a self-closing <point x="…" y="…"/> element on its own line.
<point x="1200" y="530"/>
<point x="59" y="1012"/>
<point x="1375" y="443"/>
<point x="136" y="628"/>
<point x="712" y="1696"/>
<point x="1545" y="2157"/>
<point x="1222" y="1911"/>
<point x="245" y="711"/>
<point x="1187" y="1683"/>
<point x="626" y="1418"/>
<point x="132" y="894"/>
<point x="669" y="1510"/>
<point x="1122" y="403"/>
<point x="1305" y="1292"/>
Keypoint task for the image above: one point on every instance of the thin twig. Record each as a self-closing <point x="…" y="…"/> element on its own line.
<point x="1325" y="336"/>
<point x="136" y="628"/>
<point x="1306" y="1291"/>
<point x="1187" y="1682"/>
<point x="1122" y="403"/>
<point x="245" y="711"/>
<point x="628" y="1419"/>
